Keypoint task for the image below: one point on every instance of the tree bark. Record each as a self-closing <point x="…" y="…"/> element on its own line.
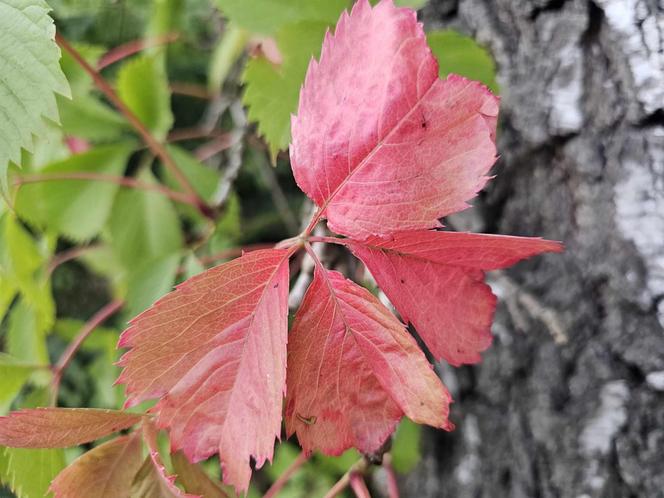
<point x="569" y="401"/>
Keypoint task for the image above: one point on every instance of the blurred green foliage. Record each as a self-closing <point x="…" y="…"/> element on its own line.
<point x="86" y="219"/>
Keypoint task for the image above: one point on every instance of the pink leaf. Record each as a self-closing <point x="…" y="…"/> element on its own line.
<point x="436" y="281"/>
<point x="214" y="351"/>
<point x="380" y="143"/>
<point x="353" y="371"/>
<point x="106" y="471"/>
<point x="61" y="427"/>
<point x="156" y="482"/>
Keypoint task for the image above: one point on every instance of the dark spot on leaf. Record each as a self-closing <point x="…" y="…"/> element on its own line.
<point x="275" y="286"/>
<point x="307" y="420"/>
<point x="403" y="281"/>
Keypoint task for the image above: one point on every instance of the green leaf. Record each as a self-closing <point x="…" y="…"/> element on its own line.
<point x="272" y="92"/>
<point x="406" y="446"/>
<point x="228" y="50"/>
<point x="143" y="226"/>
<point x="267" y="16"/>
<point x="150" y="282"/>
<point x="31" y="75"/>
<point x="26" y="337"/>
<point x="142" y="85"/>
<point x="80" y="81"/>
<point x="203" y="179"/>
<point x="228" y="231"/>
<point x="77" y="209"/>
<point x="462" y="55"/>
<point x="28" y="473"/>
<point x="87" y="117"/>
<point x="14" y="374"/>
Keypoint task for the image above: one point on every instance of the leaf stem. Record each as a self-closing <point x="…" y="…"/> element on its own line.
<point x="68" y="255"/>
<point x="360" y="467"/>
<point x="392" y="486"/>
<point x="118" y="180"/>
<point x="127" y="49"/>
<point x="285" y="477"/>
<point x="358" y="485"/>
<point x="329" y="240"/>
<point x="153" y="144"/>
<point x="65" y="359"/>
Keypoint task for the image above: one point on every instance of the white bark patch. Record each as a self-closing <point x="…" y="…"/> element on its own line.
<point x="639" y="201"/>
<point x="656" y="380"/>
<point x="609" y="418"/>
<point x="566" y="91"/>
<point x="641" y="34"/>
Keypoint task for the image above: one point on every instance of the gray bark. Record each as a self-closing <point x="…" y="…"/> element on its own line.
<point x="569" y="401"/>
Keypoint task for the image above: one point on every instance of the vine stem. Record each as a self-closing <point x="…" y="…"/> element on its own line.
<point x="123" y="51"/>
<point x="118" y="180"/>
<point x="359" y="467"/>
<point x="153" y="144"/>
<point x="65" y="359"/>
<point x="358" y="485"/>
<point x="328" y="240"/>
<point x="285" y="477"/>
<point x="68" y="255"/>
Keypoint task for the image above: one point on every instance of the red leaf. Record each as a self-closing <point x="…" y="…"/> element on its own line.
<point x="380" y="143"/>
<point x="214" y="351"/>
<point x="106" y="471"/>
<point x="153" y="480"/>
<point x="353" y="371"/>
<point x="436" y="281"/>
<point x="61" y="427"/>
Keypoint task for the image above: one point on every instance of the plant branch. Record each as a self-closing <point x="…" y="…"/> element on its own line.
<point x="153" y="144"/>
<point x="285" y="477"/>
<point x="127" y="49"/>
<point x="65" y="359"/>
<point x="102" y="177"/>
<point x="360" y="467"/>
<point x="329" y="240"/>
<point x="358" y="485"/>
<point x="68" y="255"/>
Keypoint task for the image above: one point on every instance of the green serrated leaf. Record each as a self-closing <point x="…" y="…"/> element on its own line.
<point x="143" y="85"/>
<point x="26" y="337"/>
<point x="272" y="92"/>
<point x="86" y="117"/>
<point x="462" y="55"/>
<point x="28" y="473"/>
<point x="14" y="374"/>
<point x="151" y="281"/>
<point x="203" y="179"/>
<point x="268" y="16"/>
<point x="31" y="75"/>
<point x="77" y="209"/>
<point x="143" y="226"/>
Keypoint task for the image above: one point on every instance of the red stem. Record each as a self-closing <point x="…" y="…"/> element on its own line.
<point x="102" y="177"/>
<point x="68" y="255"/>
<point x="358" y="485"/>
<point x="329" y="240"/>
<point x="392" y="485"/>
<point x="65" y="359"/>
<point x="123" y="51"/>
<point x="153" y="144"/>
<point x="285" y="477"/>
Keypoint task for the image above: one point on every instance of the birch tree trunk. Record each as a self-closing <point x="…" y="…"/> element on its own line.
<point x="569" y="402"/>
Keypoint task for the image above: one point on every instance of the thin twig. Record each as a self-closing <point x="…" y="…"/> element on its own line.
<point x="360" y="467"/>
<point x="358" y="485"/>
<point x="392" y="485"/>
<point x="191" y="90"/>
<point x="285" y="477"/>
<point x="278" y="197"/>
<point x="234" y="154"/>
<point x="123" y="181"/>
<point x="153" y="144"/>
<point x="215" y="146"/>
<point x="127" y="49"/>
<point x="68" y="255"/>
<point x="100" y="317"/>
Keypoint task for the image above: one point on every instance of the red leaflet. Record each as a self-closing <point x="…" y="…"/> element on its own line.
<point x="153" y="481"/>
<point x="214" y="351"/>
<point x="61" y="427"/>
<point x="380" y="143"/>
<point x="436" y="281"/>
<point x="353" y="371"/>
<point x="107" y="471"/>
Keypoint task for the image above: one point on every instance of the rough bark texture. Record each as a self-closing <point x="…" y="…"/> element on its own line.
<point x="569" y="402"/>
